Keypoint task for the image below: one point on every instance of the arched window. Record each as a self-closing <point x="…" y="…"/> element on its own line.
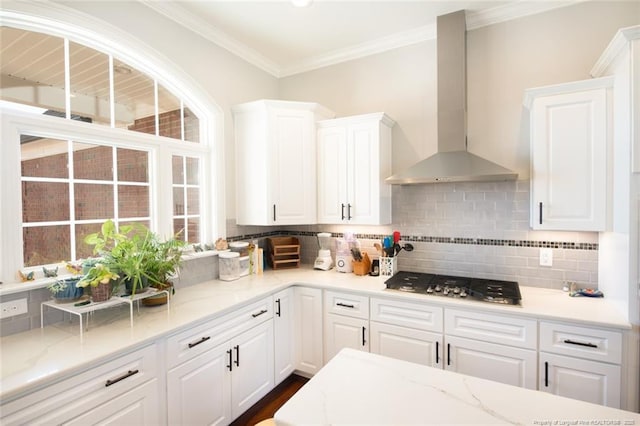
<point x="89" y="135"/>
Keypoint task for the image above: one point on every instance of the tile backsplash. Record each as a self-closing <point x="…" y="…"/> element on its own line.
<point x="475" y="229"/>
<point x="471" y="228"/>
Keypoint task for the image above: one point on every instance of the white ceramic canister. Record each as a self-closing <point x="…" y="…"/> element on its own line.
<point x="241" y="247"/>
<point x="244" y="265"/>
<point x="229" y="265"/>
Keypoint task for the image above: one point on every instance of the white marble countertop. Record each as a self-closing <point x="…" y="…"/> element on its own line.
<point x="359" y="388"/>
<point x="41" y="356"/>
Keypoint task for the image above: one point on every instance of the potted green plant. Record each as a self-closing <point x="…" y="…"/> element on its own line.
<point x="101" y="279"/>
<point x="162" y="264"/>
<point x="65" y="290"/>
<point x="137" y="255"/>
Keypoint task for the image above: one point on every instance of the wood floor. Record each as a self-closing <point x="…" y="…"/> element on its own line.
<point x="267" y="406"/>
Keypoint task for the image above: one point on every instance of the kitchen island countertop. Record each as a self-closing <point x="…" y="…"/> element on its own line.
<point x="38" y="357"/>
<point x="361" y="388"/>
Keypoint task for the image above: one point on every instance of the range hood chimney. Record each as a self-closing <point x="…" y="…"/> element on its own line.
<point x="452" y="162"/>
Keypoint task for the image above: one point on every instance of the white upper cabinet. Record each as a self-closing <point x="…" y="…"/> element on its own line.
<point x="570" y="132"/>
<point x="276" y="162"/>
<point x="354" y="158"/>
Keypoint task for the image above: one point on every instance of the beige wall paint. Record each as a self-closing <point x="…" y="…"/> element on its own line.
<point x="502" y="61"/>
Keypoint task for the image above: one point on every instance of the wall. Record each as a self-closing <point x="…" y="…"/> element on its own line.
<point x="489" y="221"/>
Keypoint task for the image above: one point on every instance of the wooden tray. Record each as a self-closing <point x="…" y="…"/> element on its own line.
<point x="284" y="252"/>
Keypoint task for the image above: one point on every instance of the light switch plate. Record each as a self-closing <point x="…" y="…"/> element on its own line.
<point x="546" y="257"/>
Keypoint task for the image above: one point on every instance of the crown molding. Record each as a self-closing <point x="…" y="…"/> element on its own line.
<point x="395" y="41"/>
<point x="178" y="14"/>
<point x="474" y="20"/>
<point x="619" y="41"/>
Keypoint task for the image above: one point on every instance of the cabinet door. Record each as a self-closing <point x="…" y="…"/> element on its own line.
<point x="308" y="329"/>
<point x="505" y="364"/>
<point x="293" y="189"/>
<point x="199" y="390"/>
<point x="407" y="344"/>
<point x="345" y="332"/>
<point x="590" y="381"/>
<point x="332" y="175"/>
<point x="283" y="334"/>
<point x="569" y="154"/>
<point x="139" y="406"/>
<point x="363" y="179"/>
<point x="252" y="375"/>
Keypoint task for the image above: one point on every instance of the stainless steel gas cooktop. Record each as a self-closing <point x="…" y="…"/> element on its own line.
<point x="485" y="290"/>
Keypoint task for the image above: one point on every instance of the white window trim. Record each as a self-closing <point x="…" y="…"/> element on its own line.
<point x="65" y="22"/>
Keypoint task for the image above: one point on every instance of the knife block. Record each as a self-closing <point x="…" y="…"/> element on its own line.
<point x="363" y="266"/>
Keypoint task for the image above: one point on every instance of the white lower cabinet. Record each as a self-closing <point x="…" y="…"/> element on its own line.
<point x="346" y="323"/>
<point x="491" y="346"/>
<point x="581" y="363"/>
<point x="207" y="374"/>
<point x="122" y="391"/>
<point x="283" y="348"/>
<point x="500" y="363"/>
<point x="344" y="332"/>
<point x="308" y="329"/>
<point x="221" y="368"/>
<point x="407" y="331"/>
<point x="407" y="344"/>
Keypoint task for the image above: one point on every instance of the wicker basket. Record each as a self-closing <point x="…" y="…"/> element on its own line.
<point x="284" y="252"/>
<point x="101" y="292"/>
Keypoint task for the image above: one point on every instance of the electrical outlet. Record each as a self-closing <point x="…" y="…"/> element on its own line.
<point x="546" y="257"/>
<point x="13" y="308"/>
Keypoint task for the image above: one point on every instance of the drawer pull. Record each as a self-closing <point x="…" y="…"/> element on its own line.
<point x="437" y="352"/>
<point x="124" y="376"/>
<point x="345" y="305"/>
<point x="448" y="353"/>
<point x="364" y="331"/>
<point x="278" y="307"/>
<point x="573" y="342"/>
<point x="204" y="339"/>
<point x="264" y="311"/>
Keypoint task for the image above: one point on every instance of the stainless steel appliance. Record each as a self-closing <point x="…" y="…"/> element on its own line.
<point x="485" y="290"/>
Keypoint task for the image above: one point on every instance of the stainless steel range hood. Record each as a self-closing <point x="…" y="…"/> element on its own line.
<point x="452" y="162"/>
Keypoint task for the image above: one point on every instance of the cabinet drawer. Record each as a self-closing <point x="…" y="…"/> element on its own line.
<point x="582" y="342"/>
<point x="500" y="329"/>
<point x="407" y="314"/>
<point x="352" y="305"/>
<point x="79" y="393"/>
<point x="188" y="344"/>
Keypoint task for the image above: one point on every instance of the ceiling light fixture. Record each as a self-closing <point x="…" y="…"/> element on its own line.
<point x="301" y="3"/>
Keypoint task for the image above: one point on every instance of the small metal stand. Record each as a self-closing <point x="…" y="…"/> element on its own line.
<point x="92" y="307"/>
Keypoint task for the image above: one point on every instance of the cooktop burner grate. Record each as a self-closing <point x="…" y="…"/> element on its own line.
<point x="486" y="290"/>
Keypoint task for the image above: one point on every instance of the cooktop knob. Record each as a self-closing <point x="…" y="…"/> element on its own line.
<point x="438" y="289"/>
<point x="429" y="289"/>
<point x="445" y="291"/>
<point x="463" y="293"/>
<point x="456" y="290"/>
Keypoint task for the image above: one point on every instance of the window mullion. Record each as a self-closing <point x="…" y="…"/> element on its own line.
<point x="112" y="94"/>
<point x="116" y="213"/>
<point x="67" y="80"/>
<point x="72" y="198"/>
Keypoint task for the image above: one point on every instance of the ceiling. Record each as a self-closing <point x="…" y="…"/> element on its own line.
<point x="284" y="40"/>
